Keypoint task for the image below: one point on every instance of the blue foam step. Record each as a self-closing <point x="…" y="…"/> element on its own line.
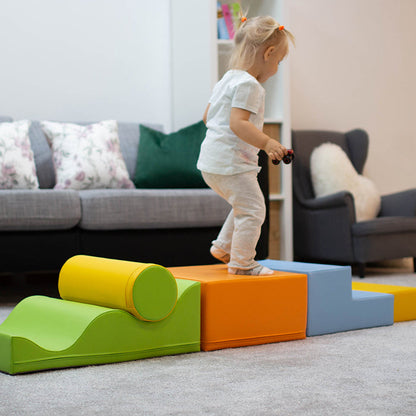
<point x="332" y="305"/>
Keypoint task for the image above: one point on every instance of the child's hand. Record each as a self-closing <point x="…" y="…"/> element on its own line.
<point x="275" y="150"/>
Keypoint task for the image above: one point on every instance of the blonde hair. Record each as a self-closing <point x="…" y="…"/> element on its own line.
<point x="254" y="33"/>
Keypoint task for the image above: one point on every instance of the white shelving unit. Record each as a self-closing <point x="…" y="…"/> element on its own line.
<point x="199" y="59"/>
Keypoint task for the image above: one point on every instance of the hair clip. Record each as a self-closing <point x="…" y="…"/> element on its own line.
<point x="243" y="19"/>
<point x="281" y="27"/>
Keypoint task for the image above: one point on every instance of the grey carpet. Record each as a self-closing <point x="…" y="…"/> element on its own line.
<point x="365" y="372"/>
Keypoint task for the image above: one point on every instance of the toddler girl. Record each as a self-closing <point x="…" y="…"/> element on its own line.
<point x="228" y="158"/>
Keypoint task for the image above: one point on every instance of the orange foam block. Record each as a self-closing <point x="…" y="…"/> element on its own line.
<point x="238" y="311"/>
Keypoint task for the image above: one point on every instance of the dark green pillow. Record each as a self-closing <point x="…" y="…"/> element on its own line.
<point x="169" y="160"/>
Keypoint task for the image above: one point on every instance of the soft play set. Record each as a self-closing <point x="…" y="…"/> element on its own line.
<point x="114" y="310"/>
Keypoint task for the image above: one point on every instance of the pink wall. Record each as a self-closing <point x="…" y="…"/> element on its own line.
<point x="354" y="65"/>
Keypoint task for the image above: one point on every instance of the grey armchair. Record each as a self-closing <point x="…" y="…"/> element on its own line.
<point x="325" y="228"/>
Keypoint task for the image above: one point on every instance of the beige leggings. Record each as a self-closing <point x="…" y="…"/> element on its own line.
<point x="241" y="230"/>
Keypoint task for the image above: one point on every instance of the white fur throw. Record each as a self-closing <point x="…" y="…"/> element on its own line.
<point x="332" y="171"/>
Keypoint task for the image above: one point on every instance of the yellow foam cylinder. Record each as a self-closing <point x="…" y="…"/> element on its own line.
<point x="148" y="291"/>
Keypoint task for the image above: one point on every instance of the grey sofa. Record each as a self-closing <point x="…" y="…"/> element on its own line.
<point x="326" y="229"/>
<point x="40" y="229"/>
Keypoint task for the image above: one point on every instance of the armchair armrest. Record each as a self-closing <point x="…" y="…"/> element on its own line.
<point x="399" y="204"/>
<point x="339" y="199"/>
<point x="342" y="199"/>
<point x="322" y="227"/>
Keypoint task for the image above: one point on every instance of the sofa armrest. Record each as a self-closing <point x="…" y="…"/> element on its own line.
<point x="399" y="204"/>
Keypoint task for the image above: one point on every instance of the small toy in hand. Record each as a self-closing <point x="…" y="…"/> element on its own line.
<point x="286" y="159"/>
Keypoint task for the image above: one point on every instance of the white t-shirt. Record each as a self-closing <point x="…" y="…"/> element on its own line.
<point x="222" y="152"/>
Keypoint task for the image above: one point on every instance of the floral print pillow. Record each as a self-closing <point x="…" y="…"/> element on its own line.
<point x="87" y="157"/>
<point x="17" y="164"/>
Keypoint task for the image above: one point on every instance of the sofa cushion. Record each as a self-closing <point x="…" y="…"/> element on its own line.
<point x="169" y="160"/>
<point x="17" y="165"/>
<point x="87" y="157"/>
<point x="129" y="139"/>
<point x="150" y="208"/>
<point x="43" y="209"/>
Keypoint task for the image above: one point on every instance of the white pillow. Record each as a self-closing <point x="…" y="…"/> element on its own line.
<point x="332" y="171"/>
<point x="87" y="157"/>
<point x="17" y="164"/>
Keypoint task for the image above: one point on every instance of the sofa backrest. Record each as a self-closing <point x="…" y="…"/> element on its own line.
<point x="43" y="156"/>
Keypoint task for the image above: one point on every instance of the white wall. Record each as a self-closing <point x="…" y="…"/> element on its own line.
<point x="192" y="40"/>
<point x="85" y="60"/>
<point x="355" y="66"/>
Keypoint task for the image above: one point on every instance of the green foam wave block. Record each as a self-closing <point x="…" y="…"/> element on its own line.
<point x="44" y="333"/>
